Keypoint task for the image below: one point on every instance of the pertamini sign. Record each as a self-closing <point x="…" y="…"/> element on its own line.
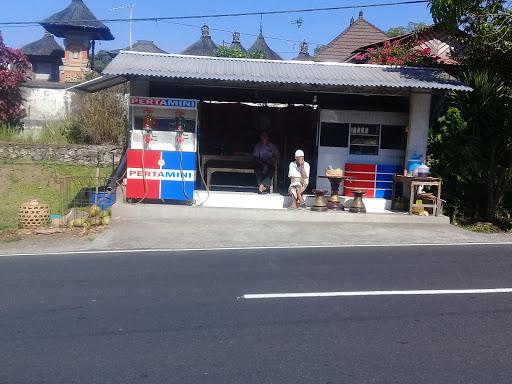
<point x="162" y="102"/>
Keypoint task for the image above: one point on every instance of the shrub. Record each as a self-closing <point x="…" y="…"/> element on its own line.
<point x="14" y="68"/>
<point x="102" y="116"/>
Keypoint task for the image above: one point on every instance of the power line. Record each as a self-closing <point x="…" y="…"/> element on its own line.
<point x="221" y="15"/>
<point x="242" y="33"/>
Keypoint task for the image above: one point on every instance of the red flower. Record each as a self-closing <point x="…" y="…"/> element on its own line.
<point x="13" y="72"/>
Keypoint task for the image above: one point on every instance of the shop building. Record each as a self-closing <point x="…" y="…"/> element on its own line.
<point x="365" y="119"/>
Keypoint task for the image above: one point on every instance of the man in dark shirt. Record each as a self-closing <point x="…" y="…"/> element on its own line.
<point x="266" y="155"/>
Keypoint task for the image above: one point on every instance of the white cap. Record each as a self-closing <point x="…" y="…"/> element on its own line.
<point x="299" y="153"/>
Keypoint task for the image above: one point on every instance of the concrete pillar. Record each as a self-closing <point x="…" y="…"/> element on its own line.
<point x="419" y="122"/>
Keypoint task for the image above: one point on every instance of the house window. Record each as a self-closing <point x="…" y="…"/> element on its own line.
<point x="364" y="139"/>
<point x="393" y="137"/>
<point x="76" y="54"/>
<point x="334" y="134"/>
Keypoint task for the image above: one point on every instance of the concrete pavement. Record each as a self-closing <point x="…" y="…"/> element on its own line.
<point x="225" y="228"/>
<point x="177" y="317"/>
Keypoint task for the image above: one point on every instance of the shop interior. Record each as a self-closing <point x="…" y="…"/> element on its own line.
<point x="230" y="130"/>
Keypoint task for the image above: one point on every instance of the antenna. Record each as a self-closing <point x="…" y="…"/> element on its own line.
<point x="261" y="23"/>
<point x="298" y="23"/>
<point x="130" y="10"/>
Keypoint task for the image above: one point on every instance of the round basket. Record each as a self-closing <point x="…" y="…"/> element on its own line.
<point x="33" y="214"/>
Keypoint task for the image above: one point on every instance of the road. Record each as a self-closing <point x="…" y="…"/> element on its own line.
<point x="181" y="317"/>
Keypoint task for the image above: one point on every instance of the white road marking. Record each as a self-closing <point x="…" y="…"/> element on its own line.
<point x="253" y="248"/>
<point x="376" y="293"/>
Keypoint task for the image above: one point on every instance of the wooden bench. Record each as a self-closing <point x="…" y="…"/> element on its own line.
<point x="231" y="169"/>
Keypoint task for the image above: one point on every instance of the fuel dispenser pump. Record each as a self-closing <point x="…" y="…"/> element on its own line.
<point x="149" y="123"/>
<point x="179" y="139"/>
<point x="162" y="152"/>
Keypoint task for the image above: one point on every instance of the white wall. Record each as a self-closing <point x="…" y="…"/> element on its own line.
<point x="337" y="157"/>
<point x="44" y="104"/>
<point x="419" y="122"/>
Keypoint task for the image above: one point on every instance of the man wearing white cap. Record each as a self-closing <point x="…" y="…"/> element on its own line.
<point x="298" y="172"/>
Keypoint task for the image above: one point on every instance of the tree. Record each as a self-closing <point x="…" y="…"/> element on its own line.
<point x="402" y="30"/>
<point x="487" y="27"/>
<point x="14" y="68"/>
<point x="224" y="51"/>
<point x="471" y="146"/>
<point x="101" y="60"/>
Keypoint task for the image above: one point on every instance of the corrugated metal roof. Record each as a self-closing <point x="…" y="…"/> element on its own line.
<point x="129" y="64"/>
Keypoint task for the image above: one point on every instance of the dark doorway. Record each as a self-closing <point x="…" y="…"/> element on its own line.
<point x="234" y="129"/>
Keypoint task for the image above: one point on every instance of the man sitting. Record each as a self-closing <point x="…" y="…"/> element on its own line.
<point x="266" y="155"/>
<point x="298" y="172"/>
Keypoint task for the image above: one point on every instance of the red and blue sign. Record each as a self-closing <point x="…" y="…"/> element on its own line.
<point x="160" y="175"/>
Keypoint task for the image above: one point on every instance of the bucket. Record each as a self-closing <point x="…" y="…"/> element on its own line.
<point x="413" y="163"/>
<point x="105" y="199"/>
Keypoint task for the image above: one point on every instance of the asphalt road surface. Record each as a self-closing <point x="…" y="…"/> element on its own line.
<point x="182" y="317"/>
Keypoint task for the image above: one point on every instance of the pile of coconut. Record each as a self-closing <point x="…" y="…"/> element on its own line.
<point x="95" y="216"/>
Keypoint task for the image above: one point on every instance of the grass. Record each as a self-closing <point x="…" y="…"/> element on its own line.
<point x="27" y="180"/>
<point x="58" y="132"/>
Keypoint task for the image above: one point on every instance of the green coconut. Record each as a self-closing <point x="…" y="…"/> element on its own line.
<point x="78" y="222"/>
<point x="94" y="210"/>
<point x="104" y="213"/>
<point x="105" y="220"/>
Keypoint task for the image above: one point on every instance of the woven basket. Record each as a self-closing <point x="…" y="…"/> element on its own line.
<point x="33" y="214"/>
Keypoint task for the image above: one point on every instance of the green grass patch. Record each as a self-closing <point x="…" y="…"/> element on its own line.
<point x="64" y="131"/>
<point x="27" y="180"/>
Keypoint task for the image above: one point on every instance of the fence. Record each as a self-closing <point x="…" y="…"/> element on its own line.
<point x="85" y="197"/>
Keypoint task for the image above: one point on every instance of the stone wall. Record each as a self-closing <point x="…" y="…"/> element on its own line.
<point x="76" y="154"/>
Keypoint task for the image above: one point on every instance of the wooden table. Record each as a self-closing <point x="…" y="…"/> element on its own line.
<point x="414" y="183"/>
<point x="334" y="202"/>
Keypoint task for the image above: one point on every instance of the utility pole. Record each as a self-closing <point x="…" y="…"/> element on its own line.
<point x="130" y="10"/>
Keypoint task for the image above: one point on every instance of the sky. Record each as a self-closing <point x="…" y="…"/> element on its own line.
<point x="281" y="33"/>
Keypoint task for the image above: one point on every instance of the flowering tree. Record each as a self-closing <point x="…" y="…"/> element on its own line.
<point x="400" y="54"/>
<point x="14" y="67"/>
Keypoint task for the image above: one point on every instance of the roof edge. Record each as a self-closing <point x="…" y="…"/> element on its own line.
<point x="291" y="61"/>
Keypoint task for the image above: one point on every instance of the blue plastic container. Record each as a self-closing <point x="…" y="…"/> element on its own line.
<point x="105" y="199"/>
<point x="413" y="163"/>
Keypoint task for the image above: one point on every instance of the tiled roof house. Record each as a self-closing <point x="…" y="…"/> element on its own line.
<point x="447" y="46"/>
<point x="358" y="34"/>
